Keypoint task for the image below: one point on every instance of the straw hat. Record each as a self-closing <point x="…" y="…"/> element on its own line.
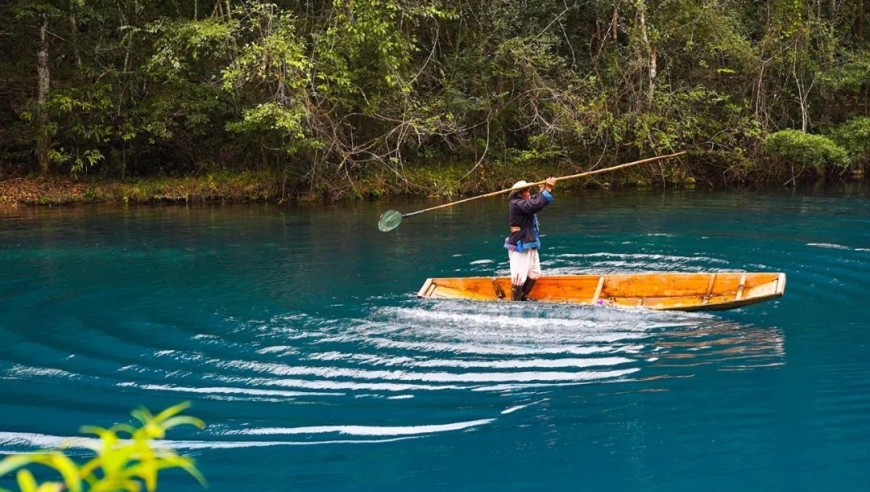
<point x="518" y="187"/>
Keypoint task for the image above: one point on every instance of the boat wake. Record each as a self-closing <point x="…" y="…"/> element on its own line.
<point x="416" y="358"/>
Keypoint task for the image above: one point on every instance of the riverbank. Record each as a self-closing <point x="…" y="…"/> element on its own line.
<point x="448" y="182"/>
<point x="278" y="187"/>
<point x="59" y="190"/>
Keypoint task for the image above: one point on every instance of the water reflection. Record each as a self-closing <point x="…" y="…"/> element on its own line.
<point x="729" y="346"/>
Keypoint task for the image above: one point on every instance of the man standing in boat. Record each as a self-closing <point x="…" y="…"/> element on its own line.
<point x="525" y="239"/>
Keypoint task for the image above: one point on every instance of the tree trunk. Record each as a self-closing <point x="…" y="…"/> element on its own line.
<point x="74" y="38"/>
<point x="614" y="23"/>
<point x="859" y="22"/>
<point x="651" y="53"/>
<point x="43" y="80"/>
<point x="803" y="98"/>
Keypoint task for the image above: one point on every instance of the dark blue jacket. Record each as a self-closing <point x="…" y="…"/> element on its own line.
<point x="522" y="214"/>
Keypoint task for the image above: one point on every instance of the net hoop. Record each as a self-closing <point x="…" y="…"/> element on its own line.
<point x="389" y="220"/>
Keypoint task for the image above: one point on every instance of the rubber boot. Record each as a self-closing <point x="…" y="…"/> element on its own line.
<point x="527" y="288"/>
<point x="517" y="293"/>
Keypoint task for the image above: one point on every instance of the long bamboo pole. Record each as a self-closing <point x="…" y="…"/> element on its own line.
<point x="572" y="176"/>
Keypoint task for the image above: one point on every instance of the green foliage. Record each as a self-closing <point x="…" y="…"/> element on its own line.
<point x="851" y="75"/>
<point x="542" y="148"/>
<point x="182" y="48"/>
<point x="804" y="149"/>
<point x="360" y="88"/>
<point x="854" y="137"/>
<point x="127" y="457"/>
<point x="275" y="60"/>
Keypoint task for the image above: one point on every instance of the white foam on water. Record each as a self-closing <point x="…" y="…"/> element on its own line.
<point x="43" y="441"/>
<point x="481" y="262"/>
<point x="262" y="444"/>
<point x="279" y="349"/>
<point x="516" y="388"/>
<point x="342" y="385"/>
<point x="212" y="390"/>
<point x="520" y="407"/>
<point x="412" y="362"/>
<point x="424" y="346"/>
<point x="395" y="352"/>
<point x="498" y="346"/>
<point x="828" y="245"/>
<point x="404" y="376"/>
<point x="516" y="364"/>
<point x="26" y="372"/>
<point x="179" y="355"/>
<point x="381" y="360"/>
<point x="363" y="430"/>
<point x="637" y="262"/>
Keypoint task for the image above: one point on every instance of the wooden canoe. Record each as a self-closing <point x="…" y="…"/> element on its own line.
<point x="662" y="291"/>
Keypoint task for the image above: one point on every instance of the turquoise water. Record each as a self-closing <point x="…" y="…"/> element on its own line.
<point x="297" y="336"/>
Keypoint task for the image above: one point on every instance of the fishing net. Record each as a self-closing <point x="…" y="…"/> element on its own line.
<point x="389" y="220"/>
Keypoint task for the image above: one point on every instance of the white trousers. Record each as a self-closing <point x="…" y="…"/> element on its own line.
<point x="524" y="265"/>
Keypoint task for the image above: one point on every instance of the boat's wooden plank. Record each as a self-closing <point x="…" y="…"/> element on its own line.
<point x="442" y="292"/>
<point x="424" y="291"/>
<point x="740" y="288"/>
<point x="656" y="284"/>
<point x="476" y="287"/>
<point x="566" y="288"/>
<point x="709" y="292"/>
<point x="756" y="279"/>
<point x="780" y="284"/>
<point x="499" y="292"/>
<point x="598" y="289"/>
<point x="505" y="284"/>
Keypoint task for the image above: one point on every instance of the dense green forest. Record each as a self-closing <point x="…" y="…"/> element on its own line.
<point x="336" y="96"/>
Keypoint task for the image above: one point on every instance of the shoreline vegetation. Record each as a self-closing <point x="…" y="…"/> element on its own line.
<point x="248" y="187"/>
<point x="449" y="182"/>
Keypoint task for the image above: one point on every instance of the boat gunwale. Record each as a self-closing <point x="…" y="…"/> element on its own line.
<point x="742" y="293"/>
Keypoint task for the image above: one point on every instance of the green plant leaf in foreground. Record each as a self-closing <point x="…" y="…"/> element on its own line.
<point x="127" y="457"/>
